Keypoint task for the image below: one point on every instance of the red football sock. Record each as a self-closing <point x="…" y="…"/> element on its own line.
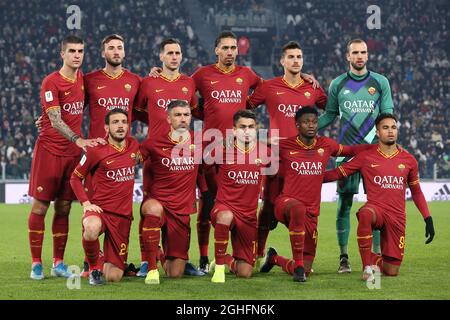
<point x="376" y="260"/>
<point x="161" y="256"/>
<point x="221" y="235"/>
<point x="92" y="251"/>
<point x="151" y="235"/>
<point x="60" y="229"/>
<point x="297" y="214"/>
<point x="141" y="243"/>
<point x="231" y="263"/>
<point x="286" y="264"/>
<point x="203" y="229"/>
<point x="364" y="236"/>
<point x="36" y="228"/>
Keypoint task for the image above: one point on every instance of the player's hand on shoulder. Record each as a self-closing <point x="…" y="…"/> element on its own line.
<point x="84" y="143"/>
<point x="154" y="72"/>
<point x="87" y="206"/>
<point x="311" y="79"/>
<point x="429" y="229"/>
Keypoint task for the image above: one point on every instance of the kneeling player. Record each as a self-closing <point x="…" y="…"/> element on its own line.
<point x="112" y="167"/>
<point x="171" y="197"/>
<point x="387" y="170"/>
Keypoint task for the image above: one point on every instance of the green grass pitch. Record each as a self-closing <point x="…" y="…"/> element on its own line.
<point x="425" y="272"/>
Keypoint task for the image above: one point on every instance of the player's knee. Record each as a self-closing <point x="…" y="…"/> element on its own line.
<point x="91" y="231"/>
<point x="62" y="207"/>
<point x="152" y="207"/>
<point x="114" y="276"/>
<point x="390" y="272"/>
<point x="245" y="273"/>
<point x="175" y="273"/>
<point x="224" y="217"/>
<point x="364" y="216"/>
<point x="40" y="207"/>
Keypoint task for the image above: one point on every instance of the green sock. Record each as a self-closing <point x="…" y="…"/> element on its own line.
<point x="376" y="241"/>
<point x="343" y="220"/>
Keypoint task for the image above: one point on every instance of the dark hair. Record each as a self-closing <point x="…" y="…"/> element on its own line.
<point x="168" y="41"/>
<point x="383" y="116"/>
<point x="354" y="41"/>
<point x="243" y="113"/>
<point x="290" y="45"/>
<point x="113" y="36"/>
<point x="305" y="110"/>
<point x="223" y="35"/>
<point x="115" y="111"/>
<point x="70" y="39"/>
<point x="177" y="103"/>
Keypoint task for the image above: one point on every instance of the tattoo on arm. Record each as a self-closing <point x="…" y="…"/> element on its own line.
<point x="55" y="118"/>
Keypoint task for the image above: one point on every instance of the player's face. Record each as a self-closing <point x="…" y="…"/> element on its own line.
<point x="245" y="130"/>
<point x="292" y="61"/>
<point x="358" y="56"/>
<point x="73" y="55"/>
<point x="387" y="131"/>
<point x="307" y="125"/>
<point x="227" y="51"/>
<point x="179" y="118"/>
<point x="114" y="52"/>
<point x="118" y="127"/>
<point x="171" y="56"/>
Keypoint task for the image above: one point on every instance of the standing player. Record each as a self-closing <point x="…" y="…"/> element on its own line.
<point x="171" y="197"/>
<point x="304" y="159"/>
<point x="239" y="183"/>
<point x="58" y="147"/>
<point x="112" y="167"/>
<point x="283" y="96"/>
<point x="387" y="171"/>
<point x="358" y="97"/>
<point x="154" y="96"/>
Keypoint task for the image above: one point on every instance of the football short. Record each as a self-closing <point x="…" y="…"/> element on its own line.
<point x="311" y="234"/>
<point x="146" y="179"/>
<point x="243" y="233"/>
<point x="392" y="234"/>
<point x="349" y="185"/>
<point x="176" y="234"/>
<point x="50" y="175"/>
<point x="117" y="233"/>
<point x="272" y="188"/>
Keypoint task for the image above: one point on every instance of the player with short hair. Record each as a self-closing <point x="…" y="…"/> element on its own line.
<point x="112" y="167"/>
<point x="239" y="183"/>
<point x="357" y="97"/>
<point x="387" y="170"/>
<point x="57" y="147"/>
<point x="283" y="96"/>
<point x="175" y="158"/>
<point x="303" y="158"/>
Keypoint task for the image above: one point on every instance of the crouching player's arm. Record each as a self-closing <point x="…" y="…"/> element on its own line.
<point x="344" y="171"/>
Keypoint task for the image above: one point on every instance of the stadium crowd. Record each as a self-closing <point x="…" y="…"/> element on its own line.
<point x="410" y="49"/>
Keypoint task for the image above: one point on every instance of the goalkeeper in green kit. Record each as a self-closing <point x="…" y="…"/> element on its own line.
<point x="357" y="97"/>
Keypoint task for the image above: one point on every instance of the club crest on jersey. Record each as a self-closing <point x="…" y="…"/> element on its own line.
<point x="185" y="90"/>
<point x="192" y="147"/>
<point x="133" y="155"/>
<point x="320" y="151"/>
<point x="401" y="167"/>
<point x="307" y="95"/>
<point x="258" y="161"/>
<point x="239" y="80"/>
<point x="127" y="87"/>
<point x="40" y="189"/>
<point x="82" y="87"/>
<point x="372" y="90"/>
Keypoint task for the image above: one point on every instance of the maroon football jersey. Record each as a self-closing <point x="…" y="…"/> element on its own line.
<point x="385" y="177"/>
<point x="113" y="173"/>
<point x="156" y="93"/>
<point x="224" y="93"/>
<point x="58" y="91"/>
<point x="174" y="171"/>
<point x="239" y="179"/>
<point x="283" y="100"/>
<point x="303" y="168"/>
<point x="104" y="93"/>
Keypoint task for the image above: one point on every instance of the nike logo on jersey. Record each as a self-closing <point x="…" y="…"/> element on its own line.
<point x="346" y="91"/>
<point x="165" y="149"/>
<point x="66" y="93"/>
<point x="109" y="162"/>
<point x="214" y="82"/>
<point x="293" y="152"/>
<point x="100" y="87"/>
<point x="159" y="90"/>
<point x="374" y="165"/>
<point x="230" y="162"/>
<point x="278" y="93"/>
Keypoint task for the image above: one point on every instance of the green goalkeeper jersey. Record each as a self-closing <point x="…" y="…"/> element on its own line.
<point x="358" y="100"/>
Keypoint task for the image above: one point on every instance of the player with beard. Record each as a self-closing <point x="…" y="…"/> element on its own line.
<point x="112" y="167"/>
<point x="357" y="97"/>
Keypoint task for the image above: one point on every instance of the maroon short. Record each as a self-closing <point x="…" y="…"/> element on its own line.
<point x="50" y="175"/>
<point x="146" y="179"/>
<point x="272" y="188"/>
<point x="243" y="233"/>
<point x="176" y="234"/>
<point x="117" y="233"/>
<point x="311" y="235"/>
<point x="392" y="234"/>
